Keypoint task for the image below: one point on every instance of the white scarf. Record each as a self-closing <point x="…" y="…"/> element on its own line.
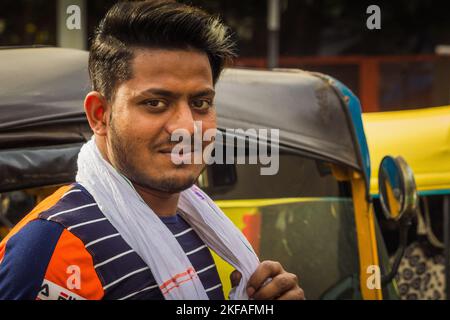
<point x="146" y="234"/>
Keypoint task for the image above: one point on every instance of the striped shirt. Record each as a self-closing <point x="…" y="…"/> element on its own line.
<point x="67" y="249"/>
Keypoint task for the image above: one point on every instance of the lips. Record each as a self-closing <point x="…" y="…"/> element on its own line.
<point x="190" y="149"/>
<point x="191" y="156"/>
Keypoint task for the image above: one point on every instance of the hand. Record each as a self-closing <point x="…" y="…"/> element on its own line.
<point x="284" y="285"/>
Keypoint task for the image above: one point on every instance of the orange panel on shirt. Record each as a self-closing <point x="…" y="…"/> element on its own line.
<point x="44" y="205"/>
<point x="69" y="252"/>
<point x="2" y="252"/>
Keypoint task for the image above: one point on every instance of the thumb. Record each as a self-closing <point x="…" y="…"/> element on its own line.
<point x="235" y="278"/>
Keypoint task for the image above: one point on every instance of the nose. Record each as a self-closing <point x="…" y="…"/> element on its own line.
<point x="181" y="118"/>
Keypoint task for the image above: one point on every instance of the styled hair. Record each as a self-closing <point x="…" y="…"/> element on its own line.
<point x="159" y="24"/>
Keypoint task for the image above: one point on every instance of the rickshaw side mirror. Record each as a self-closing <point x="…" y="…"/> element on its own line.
<point x="397" y="189"/>
<point x="398" y="197"/>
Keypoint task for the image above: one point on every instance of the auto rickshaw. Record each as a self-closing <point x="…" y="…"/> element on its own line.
<point x="422" y="137"/>
<point x="315" y="215"/>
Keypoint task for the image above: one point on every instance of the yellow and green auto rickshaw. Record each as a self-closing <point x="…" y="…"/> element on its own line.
<point x="422" y="137"/>
<point x="315" y="215"/>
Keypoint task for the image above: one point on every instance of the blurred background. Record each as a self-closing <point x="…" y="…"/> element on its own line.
<point x="403" y="65"/>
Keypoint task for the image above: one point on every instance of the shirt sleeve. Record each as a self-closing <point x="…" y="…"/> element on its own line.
<point x="26" y="256"/>
<point x="45" y="261"/>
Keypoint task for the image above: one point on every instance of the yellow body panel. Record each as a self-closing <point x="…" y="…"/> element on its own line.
<point x="365" y="233"/>
<point x="421" y="137"/>
<point x="365" y="230"/>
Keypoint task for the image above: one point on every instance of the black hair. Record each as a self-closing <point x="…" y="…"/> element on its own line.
<point x="164" y="24"/>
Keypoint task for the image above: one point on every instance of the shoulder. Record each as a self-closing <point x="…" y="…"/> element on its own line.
<point x="42" y="258"/>
<point x="25" y="257"/>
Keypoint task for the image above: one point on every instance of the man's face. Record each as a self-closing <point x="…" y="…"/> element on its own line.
<point x="170" y="89"/>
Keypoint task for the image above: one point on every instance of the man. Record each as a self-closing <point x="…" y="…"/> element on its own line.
<point x="134" y="226"/>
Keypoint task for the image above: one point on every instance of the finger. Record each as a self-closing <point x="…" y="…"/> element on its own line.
<point x="235" y="278"/>
<point x="279" y="285"/>
<point x="266" y="269"/>
<point x="296" y="294"/>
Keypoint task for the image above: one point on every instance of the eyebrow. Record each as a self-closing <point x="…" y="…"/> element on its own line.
<point x="170" y="94"/>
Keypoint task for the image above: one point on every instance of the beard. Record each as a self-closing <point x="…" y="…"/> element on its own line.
<point x="122" y="156"/>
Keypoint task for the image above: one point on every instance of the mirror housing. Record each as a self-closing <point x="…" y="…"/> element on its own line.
<point x="397" y="189"/>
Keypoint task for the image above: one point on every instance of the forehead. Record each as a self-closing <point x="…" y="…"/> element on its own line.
<point x="177" y="68"/>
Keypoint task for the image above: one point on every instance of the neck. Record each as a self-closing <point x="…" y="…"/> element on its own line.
<point x="162" y="203"/>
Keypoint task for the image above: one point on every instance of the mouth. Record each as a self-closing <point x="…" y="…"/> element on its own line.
<point x="191" y="149"/>
<point x="182" y="157"/>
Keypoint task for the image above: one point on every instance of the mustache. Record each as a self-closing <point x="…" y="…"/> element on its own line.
<point x="168" y="145"/>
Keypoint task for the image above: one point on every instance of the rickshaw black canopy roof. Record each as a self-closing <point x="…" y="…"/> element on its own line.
<point x="42" y="122"/>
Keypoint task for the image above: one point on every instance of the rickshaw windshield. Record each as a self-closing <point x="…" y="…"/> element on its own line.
<point x="302" y="217"/>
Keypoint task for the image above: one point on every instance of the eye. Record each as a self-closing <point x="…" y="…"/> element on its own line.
<point x="155" y="104"/>
<point x="201" y="104"/>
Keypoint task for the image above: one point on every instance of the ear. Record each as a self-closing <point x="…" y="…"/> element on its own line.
<point x="97" y="112"/>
